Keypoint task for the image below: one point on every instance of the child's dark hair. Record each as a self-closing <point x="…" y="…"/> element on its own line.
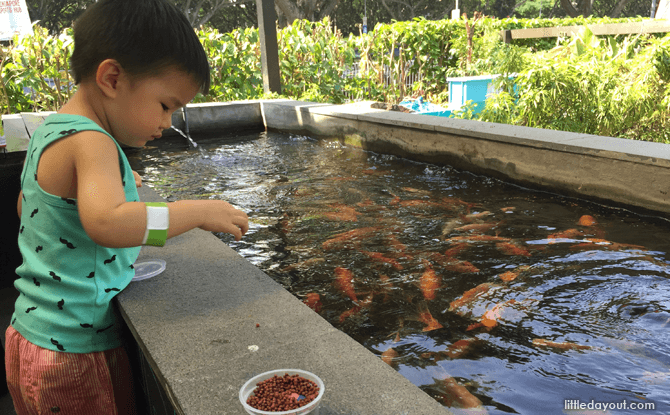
<point x="144" y="36"/>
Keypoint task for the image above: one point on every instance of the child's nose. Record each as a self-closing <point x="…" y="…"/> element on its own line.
<point x="166" y="121"/>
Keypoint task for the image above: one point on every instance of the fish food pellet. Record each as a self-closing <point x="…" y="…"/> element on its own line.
<point x="283" y="393"/>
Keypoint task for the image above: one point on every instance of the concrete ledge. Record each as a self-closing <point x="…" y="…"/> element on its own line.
<point x="16" y="134"/>
<point x="196" y="321"/>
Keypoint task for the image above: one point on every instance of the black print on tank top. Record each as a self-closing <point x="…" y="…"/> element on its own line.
<point x="86" y="326"/>
<point x="131" y="266"/>
<point x="91" y="275"/>
<point x="39" y="248"/>
<point x="61" y="303"/>
<point x="29" y="309"/>
<point x="23" y="196"/>
<point x="112" y="289"/>
<point x="123" y="182"/>
<point x="69" y="201"/>
<point x="13" y="321"/>
<point x="34" y="213"/>
<point x="58" y="345"/>
<point x="106" y="328"/>
<point x="68" y="132"/>
<point x="37" y="283"/>
<point x="35" y="176"/>
<point x="22" y="228"/>
<point x="66" y="243"/>
<point x="110" y="260"/>
<point x="33" y="153"/>
<point x="54" y="276"/>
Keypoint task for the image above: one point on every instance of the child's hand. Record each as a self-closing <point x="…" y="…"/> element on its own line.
<point x="138" y="179"/>
<point x="224" y="217"/>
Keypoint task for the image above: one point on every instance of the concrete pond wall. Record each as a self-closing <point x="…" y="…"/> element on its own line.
<point x="212" y="320"/>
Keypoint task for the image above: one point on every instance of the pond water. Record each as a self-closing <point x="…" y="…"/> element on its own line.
<point x="485" y="295"/>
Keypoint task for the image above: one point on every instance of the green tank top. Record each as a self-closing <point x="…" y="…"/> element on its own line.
<point x="67" y="281"/>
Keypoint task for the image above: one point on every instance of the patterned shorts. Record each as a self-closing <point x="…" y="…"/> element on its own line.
<point x="43" y="381"/>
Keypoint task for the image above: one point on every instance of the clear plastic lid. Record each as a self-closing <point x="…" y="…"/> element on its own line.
<point x="147" y="269"/>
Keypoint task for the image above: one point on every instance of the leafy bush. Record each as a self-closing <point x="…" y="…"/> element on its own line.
<point x="594" y="86"/>
<point x="609" y="85"/>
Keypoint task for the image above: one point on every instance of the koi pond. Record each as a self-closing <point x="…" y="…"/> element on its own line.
<point x="489" y="297"/>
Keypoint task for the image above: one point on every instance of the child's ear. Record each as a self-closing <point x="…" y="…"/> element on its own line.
<point x="107" y="77"/>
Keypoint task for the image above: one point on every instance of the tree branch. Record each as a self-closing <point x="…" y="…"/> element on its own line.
<point x="328" y="8"/>
<point x="616" y="12"/>
<point x="569" y="8"/>
<point x="289" y="10"/>
<point x="388" y="9"/>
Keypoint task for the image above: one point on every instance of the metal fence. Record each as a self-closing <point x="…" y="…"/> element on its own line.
<point x="388" y="79"/>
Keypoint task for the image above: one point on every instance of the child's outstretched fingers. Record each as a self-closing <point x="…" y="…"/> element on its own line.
<point x="138" y="179"/>
<point x="228" y="219"/>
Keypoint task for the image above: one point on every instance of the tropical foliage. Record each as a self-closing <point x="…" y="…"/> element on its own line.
<point x="615" y="86"/>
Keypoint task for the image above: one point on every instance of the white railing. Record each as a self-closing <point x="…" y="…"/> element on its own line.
<point x="409" y="79"/>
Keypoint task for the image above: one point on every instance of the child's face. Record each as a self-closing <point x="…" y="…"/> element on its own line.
<point x="143" y="108"/>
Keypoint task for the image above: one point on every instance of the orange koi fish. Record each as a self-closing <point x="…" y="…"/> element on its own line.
<point x="491" y="317"/>
<point x="452" y="264"/>
<point x="379" y="257"/>
<point x="479" y="238"/>
<point x="390" y="357"/>
<point x="470" y="295"/>
<point x="456" y="249"/>
<point x="461" y="266"/>
<point x="508" y="209"/>
<point x="395" y="200"/>
<point x="284" y="224"/>
<point x="344" y="282"/>
<point x="567" y="234"/>
<point x="559" y="345"/>
<point x="429" y="282"/>
<point x="357" y="308"/>
<point x="510" y="276"/>
<point x="313" y="301"/>
<point x="349" y="238"/>
<point x="477" y="227"/>
<point x="475" y="216"/>
<point x="426" y="318"/>
<point x="587" y="220"/>
<point x="454" y="203"/>
<point x="366" y="203"/>
<point x="430" y="322"/>
<point x="511" y="248"/>
<point x="457" y="350"/>
<point x="350" y="312"/>
<point x="455" y="395"/>
<point x="373" y="172"/>
<point x="418" y="203"/>
<point x="396" y="244"/>
<point x="343" y="213"/>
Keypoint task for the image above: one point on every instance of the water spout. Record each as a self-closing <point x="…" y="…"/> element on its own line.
<point x="183" y="114"/>
<point x="185" y="135"/>
<point x="193" y="143"/>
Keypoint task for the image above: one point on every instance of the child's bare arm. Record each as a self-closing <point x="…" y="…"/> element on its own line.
<point x="111" y="221"/>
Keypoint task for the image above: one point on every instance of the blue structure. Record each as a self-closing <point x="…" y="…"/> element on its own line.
<point x="461" y="90"/>
<point x="470" y="88"/>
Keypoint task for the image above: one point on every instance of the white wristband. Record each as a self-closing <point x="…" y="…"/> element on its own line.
<point x="158" y="221"/>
